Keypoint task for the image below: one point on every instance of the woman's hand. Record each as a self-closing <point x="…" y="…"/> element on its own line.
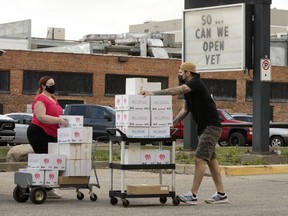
<point x="63" y="123"/>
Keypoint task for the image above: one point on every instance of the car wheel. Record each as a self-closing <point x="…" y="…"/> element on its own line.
<point x="237" y="139"/>
<point x="276" y="141"/>
<point x="223" y="143"/>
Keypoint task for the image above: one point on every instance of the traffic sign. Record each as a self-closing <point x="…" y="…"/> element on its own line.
<point x="265" y="69"/>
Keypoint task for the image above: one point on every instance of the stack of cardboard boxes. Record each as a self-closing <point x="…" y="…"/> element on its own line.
<point x="144" y="117"/>
<point x="68" y="161"/>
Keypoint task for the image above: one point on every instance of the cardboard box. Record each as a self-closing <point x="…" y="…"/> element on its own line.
<point x="135" y="102"/>
<point x="118" y="102"/>
<point x="53" y="148"/>
<point x="73" y="120"/>
<point x="135" y="85"/>
<point x="153" y="86"/>
<point x="147" y="189"/>
<point x="135" y="132"/>
<point x="73" y="168"/>
<point x="51" y="177"/>
<point x="59" y="162"/>
<point x="86" y="151"/>
<point x="132" y="154"/>
<point x="37" y="175"/>
<point x="136" y="118"/>
<point x="40" y="161"/>
<point x="162" y="156"/>
<point x="75" y="135"/>
<point x="161" y="118"/>
<point x="159" y="132"/>
<point x="118" y="118"/>
<point x="161" y="102"/>
<point x="73" y="180"/>
<point x="71" y="150"/>
<point x="148" y="156"/>
<point x="85" y="167"/>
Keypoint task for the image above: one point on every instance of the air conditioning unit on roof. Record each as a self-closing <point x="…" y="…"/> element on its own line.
<point x="55" y="33"/>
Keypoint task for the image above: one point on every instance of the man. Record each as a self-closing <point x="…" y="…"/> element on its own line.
<point x="199" y="102"/>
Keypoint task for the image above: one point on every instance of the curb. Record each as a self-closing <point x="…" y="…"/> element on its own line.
<point x="181" y="168"/>
<point x="254" y="170"/>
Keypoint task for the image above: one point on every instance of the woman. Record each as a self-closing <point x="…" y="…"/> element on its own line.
<point x="45" y="121"/>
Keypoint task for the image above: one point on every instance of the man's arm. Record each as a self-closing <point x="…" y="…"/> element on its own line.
<point x="182" y="114"/>
<point x="170" y="91"/>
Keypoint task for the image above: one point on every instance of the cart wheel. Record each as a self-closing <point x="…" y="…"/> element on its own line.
<point x="175" y="201"/>
<point x="163" y="200"/>
<point x="113" y="200"/>
<point x="38" y="195"/>
<point x="93" y="197"/>
<point x="20" y="194"/>
<point x="80" y="196"/>
<point x="125" y="202"/>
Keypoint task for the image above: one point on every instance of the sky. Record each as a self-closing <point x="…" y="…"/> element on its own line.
<point x="83" y="17"/>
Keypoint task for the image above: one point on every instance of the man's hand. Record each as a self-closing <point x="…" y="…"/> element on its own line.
<point x="146" y="93"/>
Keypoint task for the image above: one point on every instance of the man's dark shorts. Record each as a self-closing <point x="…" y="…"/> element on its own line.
<point x="207" y="142"/>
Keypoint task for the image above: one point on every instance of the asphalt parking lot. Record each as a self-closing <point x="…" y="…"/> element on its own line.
<point x="248" y="195"/>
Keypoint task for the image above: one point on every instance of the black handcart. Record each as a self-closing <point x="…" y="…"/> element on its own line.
<point x="122" y="193"/>
<point x="25" y="188"/>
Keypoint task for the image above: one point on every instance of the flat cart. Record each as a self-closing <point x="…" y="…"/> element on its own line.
<point x="122" y="193"/>
<point x="25" y="188"/>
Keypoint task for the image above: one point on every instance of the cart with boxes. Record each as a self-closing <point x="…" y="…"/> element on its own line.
<point x="141" y="120"/>
<point x="67" y="165"/>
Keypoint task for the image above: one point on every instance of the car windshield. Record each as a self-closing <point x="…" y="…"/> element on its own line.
<point x="111" y="109"/>
<point x="227" y="115"/>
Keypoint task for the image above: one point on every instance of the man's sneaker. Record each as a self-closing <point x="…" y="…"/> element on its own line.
<point x="188" y="198"/>
<point x="217" y="198"/>
<point x="52" y="194"/>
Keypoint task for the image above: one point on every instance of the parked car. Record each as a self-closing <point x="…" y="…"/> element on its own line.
<point x="234" y="135"/>
<point x="7" y="133"/>
<point x="22" y="121"/>
<point x="277" y="136"/>
<point x="231" y="135"/>
<point x="97" y="116"/>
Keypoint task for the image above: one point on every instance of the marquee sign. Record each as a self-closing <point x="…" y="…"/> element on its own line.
<point x="214" y="37"/>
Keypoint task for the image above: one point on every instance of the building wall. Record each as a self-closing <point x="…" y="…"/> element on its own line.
<point x="18" y="61"/>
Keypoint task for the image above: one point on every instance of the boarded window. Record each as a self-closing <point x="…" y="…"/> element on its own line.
<point x="4" y="81"/>
<point x="66" y="83"/>
<point x="116" y="84"/>
<point x="221" y="89"/>
<point x="278" y="91"/>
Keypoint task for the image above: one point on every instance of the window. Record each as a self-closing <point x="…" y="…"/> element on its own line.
<point x="116" y="84"/>
<point x="4" y="81"/>
<point x="78" y="110"/>
<point x="27" y="119"/>
<point x="66" y="83"/>
<point x="221" y="89"/>
<point x="97" y="113"/>
<point x="278" y="91"/>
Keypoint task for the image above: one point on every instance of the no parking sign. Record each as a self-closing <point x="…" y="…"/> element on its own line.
<point x="265" y="67"/>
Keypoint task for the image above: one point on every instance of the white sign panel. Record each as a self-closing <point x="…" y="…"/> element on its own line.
<point x="265" y="66"/>
<point x="214" y="37"/>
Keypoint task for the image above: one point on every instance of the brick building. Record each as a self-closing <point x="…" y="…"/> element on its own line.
<point x="91" y="78"/>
